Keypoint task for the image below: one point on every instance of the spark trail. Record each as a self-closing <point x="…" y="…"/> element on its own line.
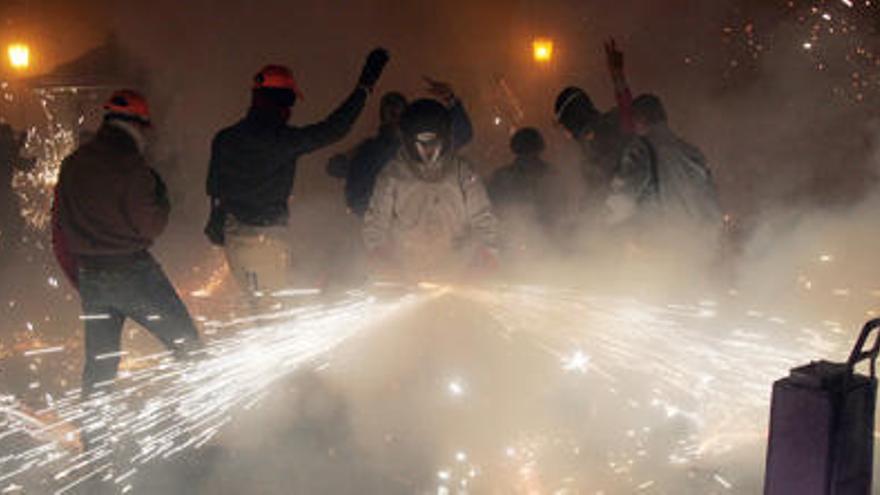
<point x="158" y="412"/>
<point x="699" y="375"/>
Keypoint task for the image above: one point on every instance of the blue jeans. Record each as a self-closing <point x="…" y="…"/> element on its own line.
<point x="135" y="288"/>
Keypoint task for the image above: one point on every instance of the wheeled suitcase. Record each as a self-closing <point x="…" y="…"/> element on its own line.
<point x="821" y="438"/>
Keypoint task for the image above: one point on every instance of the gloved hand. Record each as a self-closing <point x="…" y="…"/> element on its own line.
<point x="373" y="68"/>
<point x="441" y="90"/>
<point x="215" y="229"/>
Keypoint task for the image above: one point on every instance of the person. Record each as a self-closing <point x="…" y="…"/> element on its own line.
<point x="361" y="168"/>
<point x="111" y="206"/>
<point x="601" y="136"/>
<point x="252" y="170"/>
<point x="429" y="214"/>
<point x="661" y="175"/>
<point x="527" y="182"/>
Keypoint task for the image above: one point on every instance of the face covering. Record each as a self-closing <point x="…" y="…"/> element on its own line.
<point x="428" y="147"/>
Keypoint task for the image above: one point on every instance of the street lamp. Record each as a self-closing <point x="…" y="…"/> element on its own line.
<point x="542" y="50"/>
<point x="19" y="56"/>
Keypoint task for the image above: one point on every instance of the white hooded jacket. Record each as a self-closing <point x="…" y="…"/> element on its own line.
<point x="428" y="218"/>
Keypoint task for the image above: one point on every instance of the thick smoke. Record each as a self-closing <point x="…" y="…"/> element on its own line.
<point x="419" y="403"/>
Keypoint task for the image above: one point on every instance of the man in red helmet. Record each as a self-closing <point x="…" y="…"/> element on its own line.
<point x="110" y="207"/>
<point x="252" y="170"/>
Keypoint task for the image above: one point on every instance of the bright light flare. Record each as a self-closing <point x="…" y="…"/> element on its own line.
<point x="542" y="50"/>
<point x="19" y="56"/>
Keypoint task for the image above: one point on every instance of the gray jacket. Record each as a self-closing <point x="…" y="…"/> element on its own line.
<point x="432" y="216"/>
<point x="661" y="174"/>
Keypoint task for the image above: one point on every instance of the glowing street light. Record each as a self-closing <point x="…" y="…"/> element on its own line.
<point x="542" y="50"/>
<point x="19" y="56"/>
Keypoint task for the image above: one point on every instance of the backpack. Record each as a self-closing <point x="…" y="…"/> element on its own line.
<point x="680" y="181"/>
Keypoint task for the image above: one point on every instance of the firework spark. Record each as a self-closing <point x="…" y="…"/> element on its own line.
<point x="158" y="412"/>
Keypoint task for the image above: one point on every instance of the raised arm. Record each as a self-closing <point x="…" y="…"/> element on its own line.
<point x="339" y="122"/>
<point x="462" y="129"/>
<point x="622" y="93"/>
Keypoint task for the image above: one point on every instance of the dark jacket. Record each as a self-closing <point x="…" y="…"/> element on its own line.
<point x="109" y="201"/>
<point x="371" y="156"/>
<point x="601" y="155"/>
<point x="253" y="163"/>
<point x="529" y="182"/>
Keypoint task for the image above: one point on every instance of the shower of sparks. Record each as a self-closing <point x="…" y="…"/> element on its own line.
<point x="218" y="273"/>
<point x="697" y="369"/>
<point x="839" y="36"/>
<point x="157" y="412"/>
<point x="680" y="361"/>
<point x="49" y="144"/>
<point x="836" y="37"/>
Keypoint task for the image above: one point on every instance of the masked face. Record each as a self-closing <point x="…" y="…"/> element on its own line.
<point x="429" y="147"/>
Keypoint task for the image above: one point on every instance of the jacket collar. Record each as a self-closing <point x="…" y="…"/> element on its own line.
<point x="131" y="130"/>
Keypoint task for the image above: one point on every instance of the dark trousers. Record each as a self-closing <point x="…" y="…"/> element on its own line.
<point x="115" y="288"/>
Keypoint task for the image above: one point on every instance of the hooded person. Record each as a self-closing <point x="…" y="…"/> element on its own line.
<point x="429" y="213"/>
<point x="253" y="166"/>
<point x="601" y="136"/>
<point x="364" y="163"/>
<point x="527" y="183"/>
<point x="661" y="176"/>
<point x="110" y="207"/>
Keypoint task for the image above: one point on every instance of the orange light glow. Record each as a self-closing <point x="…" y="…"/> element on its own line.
<point x="19" y="56"/>
<point x="542" y="50"/>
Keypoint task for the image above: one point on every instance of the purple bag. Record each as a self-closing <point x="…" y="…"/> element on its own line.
<point x="822" y="427"/>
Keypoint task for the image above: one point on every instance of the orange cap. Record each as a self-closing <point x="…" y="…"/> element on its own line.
<point x="278" y="77"/>
<point x="129" y="103"/>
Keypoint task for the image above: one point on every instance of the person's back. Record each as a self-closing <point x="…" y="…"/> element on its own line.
<point x="253" y="166"/>
<point x="253" y="162"/>
<point x="110" y="207"/>
<point x="525" y="185"/>
<point x="685" y="185"/>
<point x="108" y="197"/>
<point x="660" y="174"/>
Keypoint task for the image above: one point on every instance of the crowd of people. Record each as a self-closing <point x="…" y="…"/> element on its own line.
<point x="422" y="207"/>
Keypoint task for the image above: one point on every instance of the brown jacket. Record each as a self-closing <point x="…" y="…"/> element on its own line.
<point x="110" y="201"/>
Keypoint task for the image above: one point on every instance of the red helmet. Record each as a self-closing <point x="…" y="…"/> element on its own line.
<point x="128" y="103"/>
<point x="276" y="77"/>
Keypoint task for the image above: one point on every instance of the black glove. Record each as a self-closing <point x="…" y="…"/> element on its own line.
<point x="373" y="68"/>
<point x="214" y="230"/>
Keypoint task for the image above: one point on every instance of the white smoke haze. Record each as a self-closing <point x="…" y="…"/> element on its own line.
<point x="616" y="367"/>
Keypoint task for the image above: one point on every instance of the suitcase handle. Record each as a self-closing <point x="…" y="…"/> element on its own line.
<point x="859" y="353"/>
